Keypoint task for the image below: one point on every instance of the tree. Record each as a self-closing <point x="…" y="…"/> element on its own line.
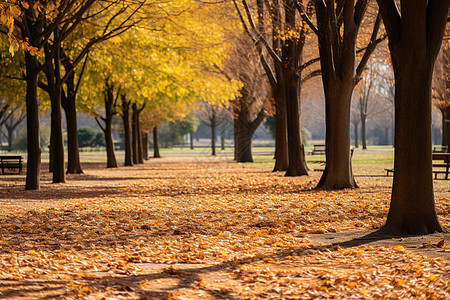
<point x="415" y="37"/>
<point x="125" y="114"/>
<point x="110" y="95"/>
<point x="212" y="115"/>
<point x="249" y="108"/>
<point x="136" y="140"/>
<point x="338" y="24"/>
<point x="285" y="51"/>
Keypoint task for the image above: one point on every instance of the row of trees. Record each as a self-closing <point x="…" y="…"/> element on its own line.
<point x="277" y="47"/>
<point x="84" y="49"/>
<point x="347" y="34"/>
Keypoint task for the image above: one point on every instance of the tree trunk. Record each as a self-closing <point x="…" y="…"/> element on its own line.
<point x="363" y="133"/>
<point x="69" y="106"/>
<point x="111" y="161"/>
<point x="126" y="128"/>
<point x="33" y="138"/>
<point x="191" y="139"/>
<point x="140" y="152"/>
<point x="134" y="134"/>
<point x="297" y="163"/>
<point x="281" y="148"/>
<point x="355" y="126"/>
<point x="415" y="38"/>
<point x="222" y="136"/>
<point x="338" y="173"/>
<point x="73" y="154"/>
<point x="155" y="143"/>
<point x="244" y="143"/>
<point x="52" y="72"/>
<point x="412" y="209"/>
<point x="145" y="145"/>
<point x="213" y="133"/>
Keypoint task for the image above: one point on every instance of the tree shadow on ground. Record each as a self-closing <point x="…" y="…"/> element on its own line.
<point x="421" y="244"/>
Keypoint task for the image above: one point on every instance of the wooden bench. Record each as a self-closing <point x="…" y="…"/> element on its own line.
<point x="441" y="165"/>
<point x="318" y="149"/>
<point x="11" y="162"/>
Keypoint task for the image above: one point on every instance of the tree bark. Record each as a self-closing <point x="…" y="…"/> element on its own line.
<point x="73" y="154"/>
<point x="111" y="161"/>
<point x="281" y="148"/>
<point x="412" y="208"/>
<point x="415" y="38"/>
<point x="109" y="103"/>
<point x="297" y="163"/>
<point x="155" y="143"/>
<point x="69" y="106"/>
<point x="33" y="137"/>
<point x="244" y="128"/>
<point x="52" y="72"/>
<point x="338" y="172"/>
<point x="126" y="126"/>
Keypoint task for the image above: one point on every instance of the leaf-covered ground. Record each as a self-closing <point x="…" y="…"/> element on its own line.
<point x="208" y="228"/>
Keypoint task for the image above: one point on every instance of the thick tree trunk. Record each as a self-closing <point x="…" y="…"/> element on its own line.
<point x="244" y="144"/>
<point x="363" y="133"/>
<point x="338" y="172"/>
<point x="33" y="138"/>
<point x="281" y="148"/>
<point x="127" y="133"/>
<point x="155" y="143"/>
<point x="412" y="209"/>
<point x="297" y="163"/>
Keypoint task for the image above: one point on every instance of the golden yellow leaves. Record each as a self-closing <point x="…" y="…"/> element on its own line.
<point x="249" y="233"/>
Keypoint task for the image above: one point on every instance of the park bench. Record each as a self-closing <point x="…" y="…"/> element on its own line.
<point x="11" y="162"/>
<point x="440" y="149"/>
<point x="318" y="149"/>
<point x="441" y="165"/>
